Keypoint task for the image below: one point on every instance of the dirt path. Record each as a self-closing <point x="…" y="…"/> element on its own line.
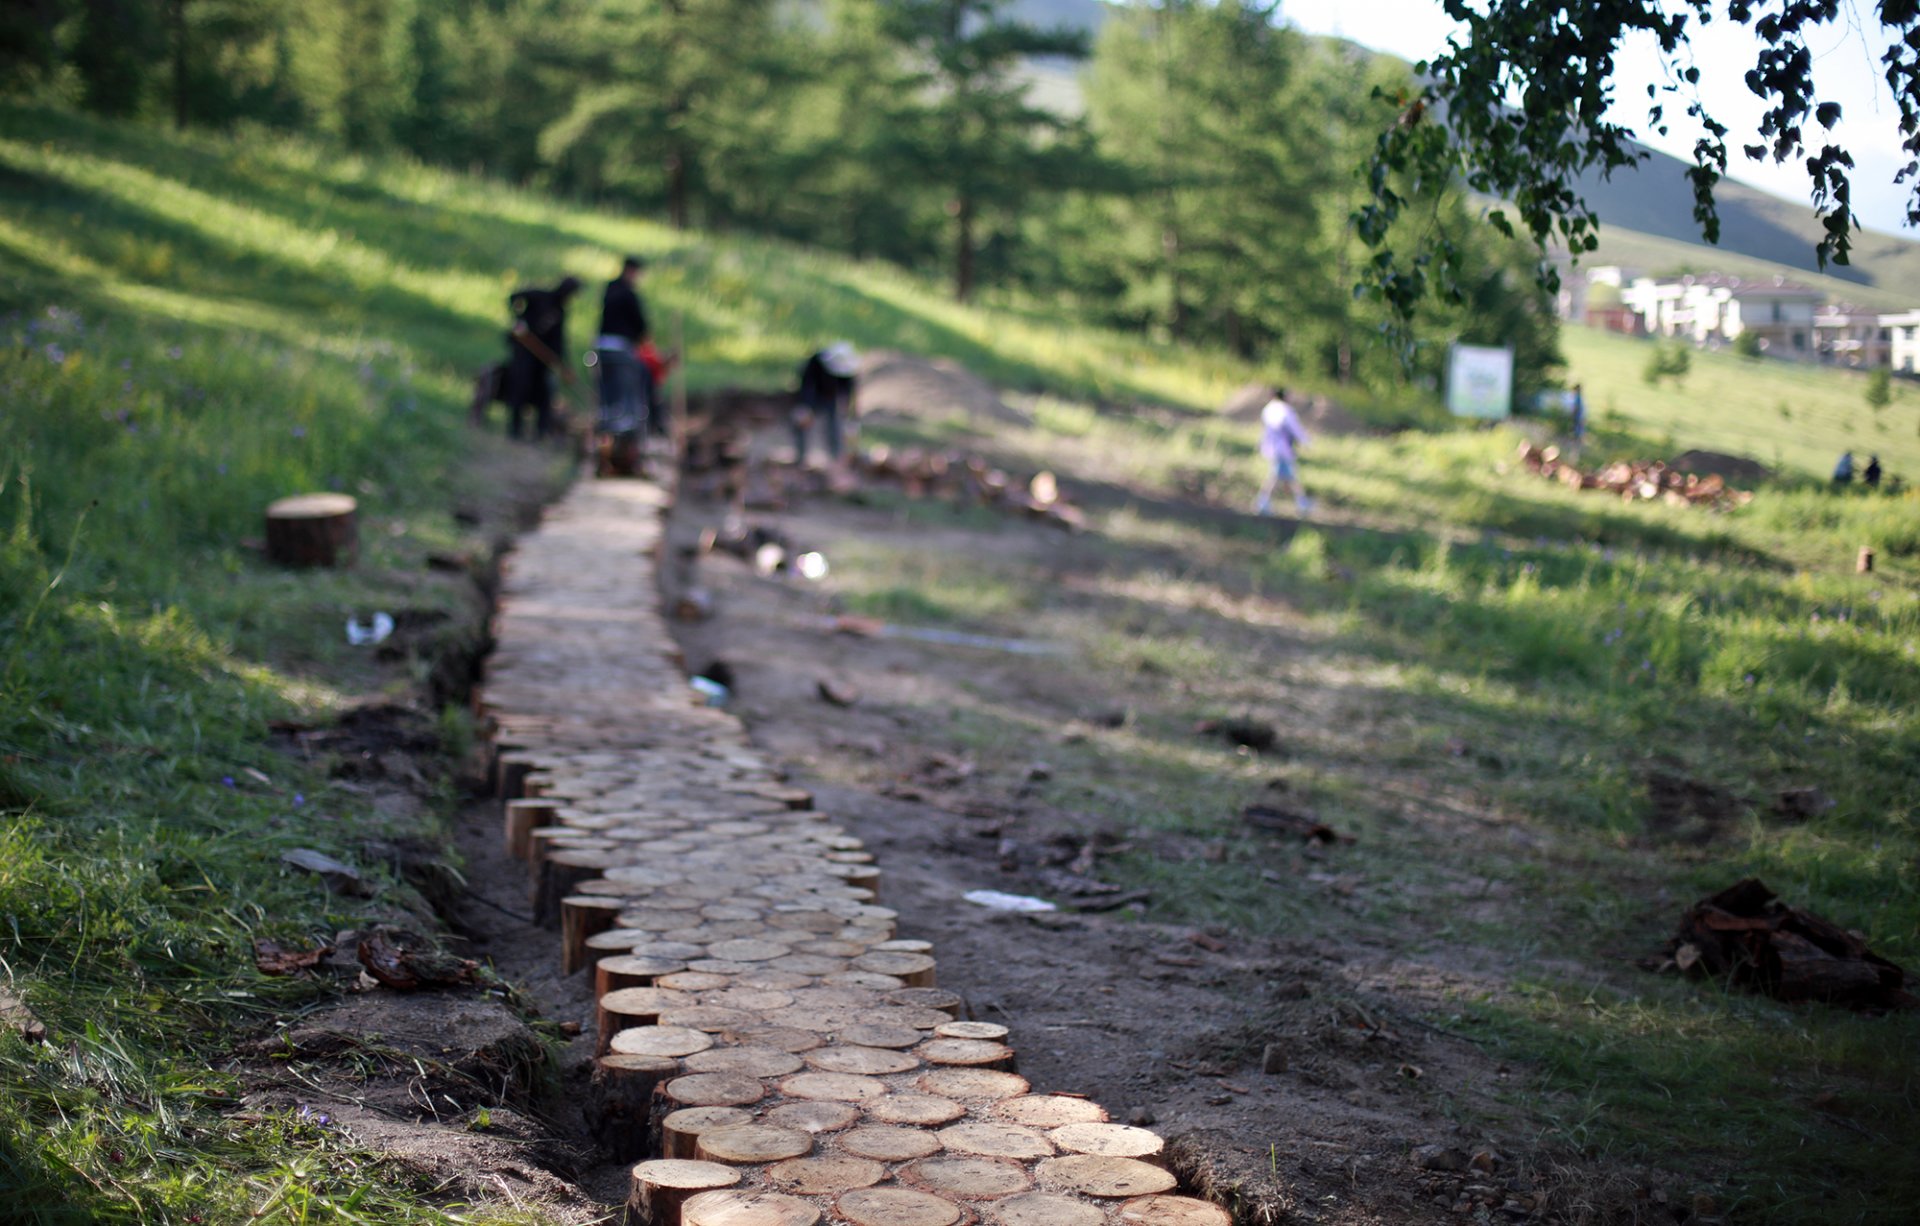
<point x="1300" y="1075"/>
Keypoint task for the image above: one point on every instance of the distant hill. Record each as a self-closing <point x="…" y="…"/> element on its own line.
<point x="1656" y="201"/>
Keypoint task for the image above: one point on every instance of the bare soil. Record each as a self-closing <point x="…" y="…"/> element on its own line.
<point x="1296" y="1075"/>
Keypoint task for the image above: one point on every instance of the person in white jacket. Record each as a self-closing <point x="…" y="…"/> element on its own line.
<point x="1281" y="436"/>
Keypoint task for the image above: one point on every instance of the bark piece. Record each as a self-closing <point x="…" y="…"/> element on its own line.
<point x="1108" y="1178"/>
<point x="1049" y="1110"/>
<point x="662" y="1187"/>
<point x="896" y="1207"/>
<point x="734" y="1208"/>
<point x="752" y="1144"/>
<point x="1043" y="1209"/>
<point x="828" y="1175"/>
<point x="680" y="1130"/>
<point x="988" y="1139"/>
<point x="889" y="1144"/>
<point x="1109" y="1141"/>
<point x="968" y="1178"/>
<point x="1173" y="1211"/>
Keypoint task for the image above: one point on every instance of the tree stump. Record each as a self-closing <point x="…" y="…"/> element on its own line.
<point x="734" y="1208"/>
<point x="620" y="1102"/>
<point x="896" y="1207"/>
<point x="661" y="1188"/>
<point x="313" y="530"/>
<point x="680" y="1130"/>
<point x="1046" y="1209"/>
<point x="582" y="916"/>
<point x="1173" y="1211"/>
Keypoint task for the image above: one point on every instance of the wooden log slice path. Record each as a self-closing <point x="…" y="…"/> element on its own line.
<point x="771" y="1052"/>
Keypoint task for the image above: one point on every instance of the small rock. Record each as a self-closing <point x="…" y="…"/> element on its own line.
<point x="1273" y="1060"/>
<point x="1485" y="1160"/>
<point x="1039" y="772"/>
<point x="1140" y="1117"/>
<point x="1439" y="1158"/>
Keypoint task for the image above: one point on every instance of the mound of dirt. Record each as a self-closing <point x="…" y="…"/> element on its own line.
<point x="910" y="385"/>
<point x="1317" y="413"/>
<point x="1720" y="464"/>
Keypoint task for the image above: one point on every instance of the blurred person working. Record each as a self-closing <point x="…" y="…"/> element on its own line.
<point x="626" y="382"/>
<point x="534" y="345"/>
<point x="826" y="387"/>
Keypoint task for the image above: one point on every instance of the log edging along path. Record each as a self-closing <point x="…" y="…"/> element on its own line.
<point x="770" y="1053"/>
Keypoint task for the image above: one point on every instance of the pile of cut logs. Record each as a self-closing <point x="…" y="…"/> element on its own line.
<point x="1637" y="479"/>
<point x="770" y="1051"/>
<point x="968" y="478"/>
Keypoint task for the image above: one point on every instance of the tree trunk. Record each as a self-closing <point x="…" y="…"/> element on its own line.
<point x="180" y="65"/>
<point x="677" y="188"/>
<point x="963" y="249"/>
<point x="313" y="530"/>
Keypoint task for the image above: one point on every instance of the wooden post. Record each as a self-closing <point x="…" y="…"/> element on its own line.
<point x="313" y="530"/>
<point x="1863" y="565"/>
<point x="620" y="1102"/>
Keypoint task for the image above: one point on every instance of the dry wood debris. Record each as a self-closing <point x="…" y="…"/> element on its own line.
<point x="1631" y="480"/>
<point x="1747" y="935"/>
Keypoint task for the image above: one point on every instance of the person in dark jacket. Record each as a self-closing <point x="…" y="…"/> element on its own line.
<point x="1872" y="474"/>
<point x="826" y="386"/>
<point x="534" y="344"/>
<point x="625" y="385"/>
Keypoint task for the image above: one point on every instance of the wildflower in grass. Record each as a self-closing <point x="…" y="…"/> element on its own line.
<point x="175" y="352"/>
<point x="299" y="798"/>
<point x="299" y="432"/>
<point x="55" y="354"/>
<point x="227" y="781"/>
<point x="309" y="1116"/>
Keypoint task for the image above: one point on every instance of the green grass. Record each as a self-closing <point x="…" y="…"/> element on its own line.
<point x="193" y="327"/>
<point x="1790" y="416"/>
<point x="1474" y="671"/>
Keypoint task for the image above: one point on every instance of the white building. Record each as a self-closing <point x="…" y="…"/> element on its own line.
<point x="1714" y="309"/>
<point x="1903" y="340"/>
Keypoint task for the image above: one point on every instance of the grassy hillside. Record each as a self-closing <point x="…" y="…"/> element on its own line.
<point x="1661" y="257"/>
<point x="1655" y="200"/>
<point x="1787" y="415"/>
<point x="193" y="327"/>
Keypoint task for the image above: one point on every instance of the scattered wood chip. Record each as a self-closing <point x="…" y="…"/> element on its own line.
<point x="838" y="693"/>
<point x="274" y="959"/>
<point x="1292" y="823"/>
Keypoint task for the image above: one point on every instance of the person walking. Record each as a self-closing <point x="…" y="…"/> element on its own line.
<point x="1843" y="470"/>
<point x="826" y="387"/>
<point x="1872" y="474"/>
<point x="534" y="343"/>
<point x="1281" y="436"/>
<point x="625" y="381"/>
